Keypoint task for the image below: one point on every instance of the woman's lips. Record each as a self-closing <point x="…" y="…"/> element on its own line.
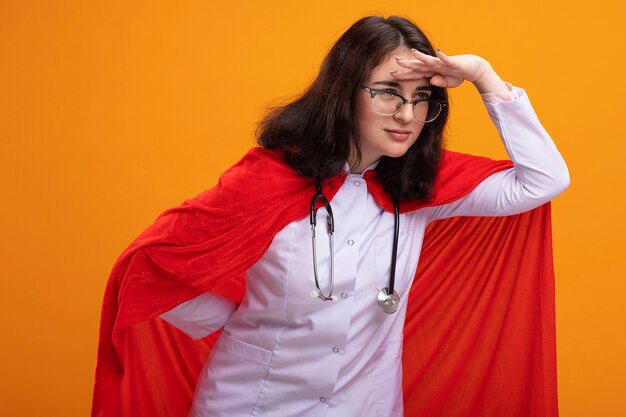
<point x="399" y="134"/>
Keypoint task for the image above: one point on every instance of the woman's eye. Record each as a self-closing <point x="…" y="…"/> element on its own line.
<point x="422" y="96"/>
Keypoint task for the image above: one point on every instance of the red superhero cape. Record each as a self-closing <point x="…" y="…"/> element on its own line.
<point x="479" y="333"/>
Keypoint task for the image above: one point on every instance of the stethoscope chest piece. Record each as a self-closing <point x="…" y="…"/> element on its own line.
<point x="388" y="302"/>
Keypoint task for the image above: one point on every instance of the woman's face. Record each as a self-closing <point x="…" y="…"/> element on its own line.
<point x="389" y="135"/>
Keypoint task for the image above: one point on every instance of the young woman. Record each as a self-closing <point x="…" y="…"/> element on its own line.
<point x="358" y="159"/>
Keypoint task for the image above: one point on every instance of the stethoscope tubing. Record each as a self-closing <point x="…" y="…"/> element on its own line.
<point x="394" y="251"/>
<point x="388" y="299"/>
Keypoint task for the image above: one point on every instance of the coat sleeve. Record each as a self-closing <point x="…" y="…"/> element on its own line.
<point x="539" y="173"/>
<point x="200" y="316"/>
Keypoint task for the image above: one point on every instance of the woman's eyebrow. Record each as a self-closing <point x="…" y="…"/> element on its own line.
<point x="397" y="85"/>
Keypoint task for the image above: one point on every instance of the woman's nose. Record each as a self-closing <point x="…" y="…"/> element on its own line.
<point x="406" y="112"/>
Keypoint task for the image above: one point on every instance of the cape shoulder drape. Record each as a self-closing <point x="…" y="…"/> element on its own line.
<point x="479" y="333"/>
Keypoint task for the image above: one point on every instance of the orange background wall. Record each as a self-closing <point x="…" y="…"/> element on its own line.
<point x="111" y="112"/>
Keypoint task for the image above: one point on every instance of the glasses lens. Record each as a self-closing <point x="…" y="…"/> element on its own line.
<point x="389" y="104"/>
<point x="430" y="112"/>
<point x="386" y="104"/>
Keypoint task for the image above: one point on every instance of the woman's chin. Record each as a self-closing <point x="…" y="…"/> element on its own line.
<point x="397" y="153"/>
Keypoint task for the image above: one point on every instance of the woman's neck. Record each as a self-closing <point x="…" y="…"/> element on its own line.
<point x="363" y="165"/>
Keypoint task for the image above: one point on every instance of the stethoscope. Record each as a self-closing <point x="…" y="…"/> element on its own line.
<point x="388" y="299"/>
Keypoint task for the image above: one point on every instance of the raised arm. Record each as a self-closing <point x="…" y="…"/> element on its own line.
<point x="539" y="173"/>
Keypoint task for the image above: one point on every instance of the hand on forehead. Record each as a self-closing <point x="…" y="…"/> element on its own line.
<point x="385" y="74"/>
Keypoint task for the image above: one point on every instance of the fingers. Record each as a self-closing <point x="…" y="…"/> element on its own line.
<point x="435" y="79"/>
<point x="423" y="57"/>
<point x="416" y="66"/>
<point x="443" y="57"/>
<point x="429" y="58"/>
<point x="411" y="75"/>
<point x="449" y="81"/>
<point x="422" y="62"/>
<point x="434" y="68"/>
<point x="439" y="81"/>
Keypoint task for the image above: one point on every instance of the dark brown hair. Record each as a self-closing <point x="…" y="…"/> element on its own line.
<point x="317" y="130"/>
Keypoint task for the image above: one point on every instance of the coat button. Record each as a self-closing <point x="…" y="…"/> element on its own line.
<point x="357" y="183"/>
<point x="344" y="295"/>
<point x="336" y="349"/>
<point x="350" y="242"/>
<point x="322" y="399"/>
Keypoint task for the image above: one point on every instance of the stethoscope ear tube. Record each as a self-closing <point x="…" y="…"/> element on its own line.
<point x="330" y="229"/>
<point x="330" y="219"/>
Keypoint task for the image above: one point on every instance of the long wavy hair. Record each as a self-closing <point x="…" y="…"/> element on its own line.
<point x="317" y="130"/>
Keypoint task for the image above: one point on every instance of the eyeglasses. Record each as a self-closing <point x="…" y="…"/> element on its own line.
<point x="388" y="103"/>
